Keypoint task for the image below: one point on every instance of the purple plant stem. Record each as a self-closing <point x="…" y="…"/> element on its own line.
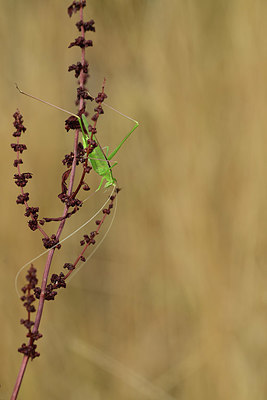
<point x="45" y="276"/>
<point x="58" y="234"/>
<point x="19" y="377"/>
<point x="83" y="58"/>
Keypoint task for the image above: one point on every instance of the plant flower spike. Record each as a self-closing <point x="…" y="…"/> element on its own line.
<point x="87" y="157"/>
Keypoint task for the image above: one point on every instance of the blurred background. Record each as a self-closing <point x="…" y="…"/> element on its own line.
<point x="173" y="304"/>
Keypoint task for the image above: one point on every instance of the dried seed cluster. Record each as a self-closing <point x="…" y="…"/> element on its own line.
<point x="21" y="180"/>
<point x="28" y="299"/>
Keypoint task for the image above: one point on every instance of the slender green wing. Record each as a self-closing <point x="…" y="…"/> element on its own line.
<point x="97" y="157"/>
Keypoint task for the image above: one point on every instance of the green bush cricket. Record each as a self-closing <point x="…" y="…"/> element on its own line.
<point x="99" y="160"/>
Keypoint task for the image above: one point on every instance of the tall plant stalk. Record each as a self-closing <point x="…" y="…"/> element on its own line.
<point x="68" y="196"/>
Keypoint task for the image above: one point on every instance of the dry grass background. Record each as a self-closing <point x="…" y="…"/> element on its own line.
<point x="177" y="293"/>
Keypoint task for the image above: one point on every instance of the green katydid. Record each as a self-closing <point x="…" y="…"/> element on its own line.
<point x="99" y="160"/>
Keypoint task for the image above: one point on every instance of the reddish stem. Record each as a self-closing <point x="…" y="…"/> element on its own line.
<point x="45" y="277"/>
<point x="51" y="252"/>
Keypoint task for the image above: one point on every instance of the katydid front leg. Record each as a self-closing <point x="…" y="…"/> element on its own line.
<point x="123" y="140"/>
